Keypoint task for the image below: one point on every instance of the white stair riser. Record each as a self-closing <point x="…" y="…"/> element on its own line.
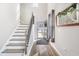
<point x="22" y="28"/>
<point x="11" y="54"/>
<point x="15" y="47"/>
<point x="23" y="25"/>
<point x="16" y="42"/>
<point x="18" y="34"/>
<point x="18" y="37"/>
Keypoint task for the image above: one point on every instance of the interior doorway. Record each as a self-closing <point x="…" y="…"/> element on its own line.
<point x="51" y="26"/>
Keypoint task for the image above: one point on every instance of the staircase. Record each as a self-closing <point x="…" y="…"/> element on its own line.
<point x="15" y="46"/>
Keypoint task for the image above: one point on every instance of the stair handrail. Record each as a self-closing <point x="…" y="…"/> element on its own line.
<point x="29" y="32"/>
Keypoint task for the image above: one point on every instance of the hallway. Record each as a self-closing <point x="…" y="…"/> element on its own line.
<point x="39" y="29"/>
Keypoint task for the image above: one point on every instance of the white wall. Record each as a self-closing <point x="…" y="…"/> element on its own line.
<point x="27" y="9"/>
<point x="40" y="12"/>
<point x="25" y="13"/>
<point x="8" y="21"/>
<point x="66" y="38"/>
